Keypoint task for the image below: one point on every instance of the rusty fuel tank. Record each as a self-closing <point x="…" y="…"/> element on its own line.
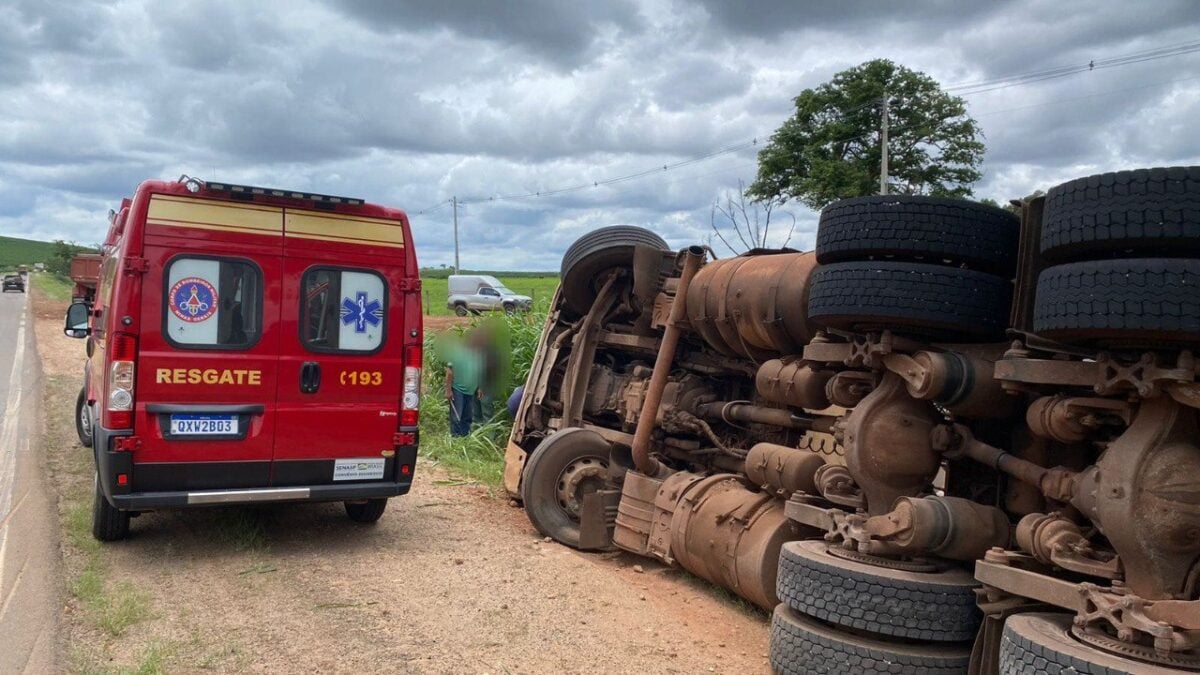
<point x="754" y="305"/>
<point x="714" y="527"/>
<point x="731" y="536"/>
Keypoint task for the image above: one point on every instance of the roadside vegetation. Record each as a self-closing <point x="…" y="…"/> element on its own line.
<point x="56" y="255"/>
<point x="480" y="455"/>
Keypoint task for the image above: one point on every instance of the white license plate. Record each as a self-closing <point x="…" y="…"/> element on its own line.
<point x="204" y="425"/>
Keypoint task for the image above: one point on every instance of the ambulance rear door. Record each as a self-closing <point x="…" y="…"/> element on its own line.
<point x="208" y="349"/>
<point x="342" y="364"/>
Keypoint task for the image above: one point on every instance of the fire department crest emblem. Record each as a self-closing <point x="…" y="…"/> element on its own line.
<point x="193" y="299"/>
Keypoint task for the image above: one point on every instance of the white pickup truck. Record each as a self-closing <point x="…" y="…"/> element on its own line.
<point x="481" y="292"/>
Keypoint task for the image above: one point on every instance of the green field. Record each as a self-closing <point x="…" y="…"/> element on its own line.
<point x="434" y="290"/>
<point x="15" y="252"/>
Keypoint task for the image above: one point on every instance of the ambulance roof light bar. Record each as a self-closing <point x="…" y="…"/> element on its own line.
<point x="249" y="190"/>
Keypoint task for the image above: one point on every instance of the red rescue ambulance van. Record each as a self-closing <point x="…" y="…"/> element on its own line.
<point x="251" y="345"/>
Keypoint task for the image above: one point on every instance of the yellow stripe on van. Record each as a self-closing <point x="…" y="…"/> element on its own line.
<point x="205" y="214"/>
<point x="343" y="228"/>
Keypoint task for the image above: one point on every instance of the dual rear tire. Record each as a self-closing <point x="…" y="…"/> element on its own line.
<point x="1125" y="248"/>
<point x="845" y="616"/>
<point x="925" y="266"/>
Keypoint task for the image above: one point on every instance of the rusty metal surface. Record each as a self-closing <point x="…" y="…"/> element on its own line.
<point x="793" y="382"/>
<point x="782" y="470"/>
<point x="635" y="512"/>
<point x="948" y="527"/>
<point x="1142" y="495"/>
<point x="888" y="450"/>
<point x="753" y="305"/>
<point x="731" y="536"/>
<point x="693" y="259"/>
<point x="1026" y="583"/>
<point x="1054" y="540"/>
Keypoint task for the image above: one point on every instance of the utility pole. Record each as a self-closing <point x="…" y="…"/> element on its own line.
<point x="883" y="141"/>
<point x="454" y="201"/>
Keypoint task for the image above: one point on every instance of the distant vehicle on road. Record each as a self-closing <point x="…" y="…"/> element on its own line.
<point x="14" y="282"/>
<point x="482" y="293"/>
<point x="234" y="361"/>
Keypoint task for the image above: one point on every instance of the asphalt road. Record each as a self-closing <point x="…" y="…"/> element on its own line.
<point x="30" y="592"/>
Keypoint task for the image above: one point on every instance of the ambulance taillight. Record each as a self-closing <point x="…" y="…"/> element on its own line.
<point x="410" y="396"/>
<point x="118" y="400"/>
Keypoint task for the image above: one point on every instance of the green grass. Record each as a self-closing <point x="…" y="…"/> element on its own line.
<point x="480" y="455"/>
<point x="55" y="287"/>
<point x="112" y="607"/>
<point x="15" y="252"/>
<point x="435" y="289"/>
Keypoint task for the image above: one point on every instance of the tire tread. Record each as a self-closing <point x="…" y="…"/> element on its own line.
<point x="919" y="610"/>
<point x="798" y="649"/>
<point x="915" y="227"/>
<point x="1143" y="211"/>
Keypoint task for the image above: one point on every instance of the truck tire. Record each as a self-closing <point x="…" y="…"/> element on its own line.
<point x="570" y="450"/>
<point x="509" y="308"/>
<point x="929" y="300"/>
<point x="584" y="263"/>
<point x="801" y="645"/>
<point x="1129" y="213"/>
<point x="914" y="228"/>
<point x="1041" y="644"/>
<point x="935" y="607"/>
<point x="108" y="522"/>
<point x="1138" y="300"/>
<point x="460" y="309"/>
<point x="83" y="419"/>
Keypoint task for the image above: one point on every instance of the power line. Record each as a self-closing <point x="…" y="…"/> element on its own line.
<point x="1109" y="92"/>
<point x="1007" y="81"/>
<point x="966" y="89"/>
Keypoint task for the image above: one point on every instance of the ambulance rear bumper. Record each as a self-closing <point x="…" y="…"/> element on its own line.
<point x="144" y="501"/>
<point x="294" y="482"/>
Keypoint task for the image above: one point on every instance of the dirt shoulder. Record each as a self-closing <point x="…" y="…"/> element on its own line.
<point x="451" y="580"/>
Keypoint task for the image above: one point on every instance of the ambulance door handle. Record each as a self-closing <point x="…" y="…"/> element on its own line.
<point x="310" y="377"/>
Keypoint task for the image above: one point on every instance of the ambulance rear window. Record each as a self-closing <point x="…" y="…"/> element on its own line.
<point x="212" y="303"/>
<point x="343" y="310"/>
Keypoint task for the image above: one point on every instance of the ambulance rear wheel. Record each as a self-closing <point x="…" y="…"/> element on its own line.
<point x="83" y="419"/>
<point x="367" y="511"/>
<point x="108" y="522"/>
<point x="460" y="310"/>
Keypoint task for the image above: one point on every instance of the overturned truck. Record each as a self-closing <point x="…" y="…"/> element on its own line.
<point x="950" y="439"/>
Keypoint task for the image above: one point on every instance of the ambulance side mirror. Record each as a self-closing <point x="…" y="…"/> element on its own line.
<point x="77" y="320"/>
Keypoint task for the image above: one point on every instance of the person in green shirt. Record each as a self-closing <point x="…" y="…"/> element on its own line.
<point x="464" y="368"/>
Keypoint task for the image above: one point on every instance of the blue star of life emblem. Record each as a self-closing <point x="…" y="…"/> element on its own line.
<point x="361" y="312"/>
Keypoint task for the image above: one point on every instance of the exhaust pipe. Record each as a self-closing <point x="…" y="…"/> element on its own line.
<point x="662" y="366"/>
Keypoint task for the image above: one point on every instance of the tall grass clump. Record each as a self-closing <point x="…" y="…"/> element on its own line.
<point x="480" y="455"/>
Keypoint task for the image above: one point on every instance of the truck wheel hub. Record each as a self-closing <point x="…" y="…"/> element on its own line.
<point x="580" y="478"/>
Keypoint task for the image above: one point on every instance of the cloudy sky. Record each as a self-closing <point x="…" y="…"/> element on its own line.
<point x="409" y="103"/>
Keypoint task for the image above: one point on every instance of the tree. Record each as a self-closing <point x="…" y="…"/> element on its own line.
<point x="830" y="148"/>
<point x="61" y="254"/>
<point x="750" y="221"/>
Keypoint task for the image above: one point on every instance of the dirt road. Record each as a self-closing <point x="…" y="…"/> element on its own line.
<point x="451" y="580"/>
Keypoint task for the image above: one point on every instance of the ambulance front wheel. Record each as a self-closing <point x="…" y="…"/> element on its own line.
<point x="367" y="511"/>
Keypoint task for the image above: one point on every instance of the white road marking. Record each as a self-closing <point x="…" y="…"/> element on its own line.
<point x="8" y="435"/>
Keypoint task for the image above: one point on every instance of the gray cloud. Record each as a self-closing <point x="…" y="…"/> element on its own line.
<point x="560" y="32"/>
<point x="410" y="103"/>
